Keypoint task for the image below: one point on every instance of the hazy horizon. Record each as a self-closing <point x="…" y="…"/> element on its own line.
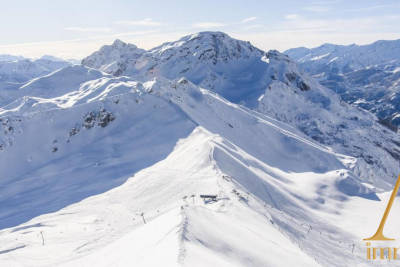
<point x="74" y="31"/>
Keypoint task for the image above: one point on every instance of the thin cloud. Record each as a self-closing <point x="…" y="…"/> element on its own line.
<point x="143" y="22"/>
<point x="208" y="25"/>
<point x="291" y="16"/>
<point x="88" y="29"/>
<point x="249" y="19"/>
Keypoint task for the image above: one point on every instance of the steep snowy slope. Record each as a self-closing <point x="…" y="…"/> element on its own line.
<point x="212" y="60"/>
<point x="367" y="76"/>
<point x="321" y="115"/>
<point x="160" y="145"/>
<point x="60" y="82"/>
<point x="272" y="83"/>
<point x="96" y="144"/>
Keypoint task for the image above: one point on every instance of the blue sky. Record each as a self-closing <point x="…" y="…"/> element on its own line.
<point x="74" y="29"/>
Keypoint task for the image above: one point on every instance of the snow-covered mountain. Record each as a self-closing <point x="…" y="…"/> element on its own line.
<point x="114" y="58"/>
<point x="212" y="60"/>
<point x="20" y="70"/>
<point x="159" y="145"/>
<point x="349" y="58"/>
<point x="105" y="163"/>
<point x="270" y="83"/>
<point x="367" y="76"/>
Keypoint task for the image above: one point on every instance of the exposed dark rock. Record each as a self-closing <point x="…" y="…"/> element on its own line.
<point x="291" y="76"/>
<point x="74" y="131"/>
<point x="303" y="86"/>
<point x="388" y="124"/>
<point x="101" y="118"/>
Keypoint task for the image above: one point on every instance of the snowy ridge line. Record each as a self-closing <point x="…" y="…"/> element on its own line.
<point x="27" y="114"/>
<point x="281" y="130"/>
<point x="288" y="133"/>
<point x="238" y="185"/>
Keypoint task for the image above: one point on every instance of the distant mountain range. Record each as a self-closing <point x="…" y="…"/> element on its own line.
<point x="367" y="75"/>
<point x="18" y="70"/>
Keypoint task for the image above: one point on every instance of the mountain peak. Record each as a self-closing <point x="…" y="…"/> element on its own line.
<point x="113" y="58"/>
<point x="208" y="34"/>
<point x="119" y="43"/>
<point x="216" y="47"/>
<point x="51" y="58"/>
<point x="275" y="54"/>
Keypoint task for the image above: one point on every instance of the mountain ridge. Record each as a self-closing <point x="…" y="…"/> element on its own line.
<point x="261" y="82"/>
